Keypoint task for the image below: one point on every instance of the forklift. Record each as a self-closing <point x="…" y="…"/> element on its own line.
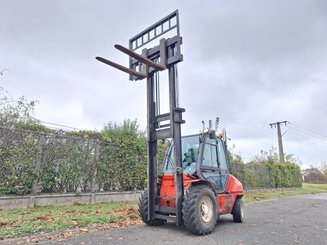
<point x="195" y="186"/>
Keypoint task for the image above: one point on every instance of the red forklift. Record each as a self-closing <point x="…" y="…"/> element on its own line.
<point x="195" y="186"/>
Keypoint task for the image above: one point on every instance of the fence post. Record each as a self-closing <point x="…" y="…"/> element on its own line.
<point x="38" y="164"/>
<point x="94" y="171"/>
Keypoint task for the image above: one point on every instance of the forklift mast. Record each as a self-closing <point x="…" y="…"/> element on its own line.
<point x="164" y="56"/>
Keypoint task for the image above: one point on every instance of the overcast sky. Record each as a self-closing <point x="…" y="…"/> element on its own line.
<point x="249" y="62"/>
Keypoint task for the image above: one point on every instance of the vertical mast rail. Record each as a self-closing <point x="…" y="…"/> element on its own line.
<point x="164" y="56"/>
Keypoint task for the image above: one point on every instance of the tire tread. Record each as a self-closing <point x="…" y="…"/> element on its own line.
<point x="143" y="210"/>
<point x="190" y="211"/>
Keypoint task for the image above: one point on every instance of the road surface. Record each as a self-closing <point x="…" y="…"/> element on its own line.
<point x="295" y="220"/>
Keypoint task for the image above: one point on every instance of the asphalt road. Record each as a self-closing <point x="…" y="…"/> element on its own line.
<point x="296" y="220"/>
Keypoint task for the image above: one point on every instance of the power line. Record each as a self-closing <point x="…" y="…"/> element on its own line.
<point x="308" y="133"/>
<point x="60" y="125"/>
<point x="308" y="130"/>
<point x="1" y="72"/>
<point x="306" y="136"/>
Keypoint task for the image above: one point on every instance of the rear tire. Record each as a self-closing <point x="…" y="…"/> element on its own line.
<point x="200" y="210"/>
<point x="238" y="213"/>
<point x="143" y="210"/>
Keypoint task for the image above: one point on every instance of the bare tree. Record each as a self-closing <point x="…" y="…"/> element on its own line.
<point x="323" y="168"/>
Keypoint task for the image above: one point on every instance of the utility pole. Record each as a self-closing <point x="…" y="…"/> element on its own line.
<point x="280" y="141"/>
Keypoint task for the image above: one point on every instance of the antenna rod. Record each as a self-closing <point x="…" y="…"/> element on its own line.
<point x="210" y="124"/>
<point x="217" y="123"/>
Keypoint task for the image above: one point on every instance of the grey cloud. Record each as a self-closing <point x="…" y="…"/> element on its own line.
<point x="251" y="63"/>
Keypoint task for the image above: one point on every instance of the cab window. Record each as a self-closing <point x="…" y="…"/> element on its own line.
<point x="210" y="156"/>
<point x="190" y="153"/>
<point x="222" y="156"/>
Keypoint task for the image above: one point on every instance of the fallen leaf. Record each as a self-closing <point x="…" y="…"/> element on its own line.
<point x="72" y="212"/>
<point x="45" y="218"/>
<point x="3" y="224"/>
<point x="66" y="235"/>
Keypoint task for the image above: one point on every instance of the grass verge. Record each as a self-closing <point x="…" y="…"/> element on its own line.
<point x="266" y="194"/>
<point x="20" y="222"/>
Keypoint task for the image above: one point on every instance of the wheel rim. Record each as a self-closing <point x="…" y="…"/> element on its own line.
<point x="206" y="209"/>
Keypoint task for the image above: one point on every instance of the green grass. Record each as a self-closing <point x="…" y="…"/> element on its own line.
<point x="18" y="222"/>
<point x="266" y="194"/>
<point x="21" y="222"/>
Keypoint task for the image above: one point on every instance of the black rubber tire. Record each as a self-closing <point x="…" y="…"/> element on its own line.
<point x="238" y="211"/>
<point x="192" y="218"/>
<point x="143" y="211"/>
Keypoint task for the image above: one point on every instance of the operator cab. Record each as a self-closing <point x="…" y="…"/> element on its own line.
<point x="203" y="156"/>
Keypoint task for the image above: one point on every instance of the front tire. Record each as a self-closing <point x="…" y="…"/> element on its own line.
<point x="200" y="210"/>
<point x="238" y="212"/>
<point x="143" y="210"/>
